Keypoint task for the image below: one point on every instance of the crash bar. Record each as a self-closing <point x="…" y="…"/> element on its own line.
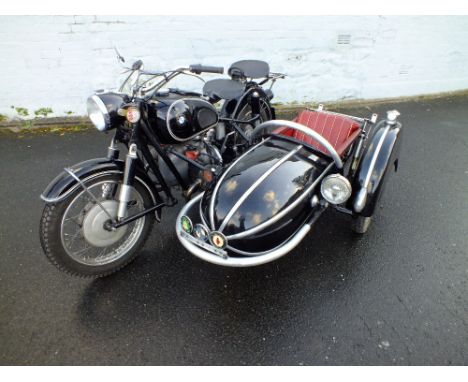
<point x="262" y="258"/>
<point x="303" y="129"/>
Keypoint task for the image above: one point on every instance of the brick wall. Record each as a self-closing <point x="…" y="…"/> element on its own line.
<point x="57" y="61"/>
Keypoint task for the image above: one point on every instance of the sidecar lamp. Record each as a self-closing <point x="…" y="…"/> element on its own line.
<point x="133" y="115"/>
<point x="336" y="189"/>
<point x="186" y="224"/>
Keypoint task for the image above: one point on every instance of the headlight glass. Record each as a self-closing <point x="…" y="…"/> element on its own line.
<point x="336" y="189"/>
<point x="95" y="112"/>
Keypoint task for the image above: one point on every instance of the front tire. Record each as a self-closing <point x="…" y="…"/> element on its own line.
<point x="72" y="234"/>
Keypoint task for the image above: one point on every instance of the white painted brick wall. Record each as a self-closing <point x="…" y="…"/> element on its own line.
<point x="57" y="61"/>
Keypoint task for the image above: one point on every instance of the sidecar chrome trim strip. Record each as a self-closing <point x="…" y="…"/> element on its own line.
<point x="374" y="158"/>
<point x="237" y="261"/>
<point x="361" y="198"/>
<point x="281" y="214"/>
<point x="218" y="184"/>
<point x="257" y="183"/>
<point x="305" y="130"/>
<point x="202" y="216"/>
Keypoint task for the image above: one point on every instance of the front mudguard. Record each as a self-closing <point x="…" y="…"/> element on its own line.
<point x="64" y="184"/>
<point x="380" y="157"/>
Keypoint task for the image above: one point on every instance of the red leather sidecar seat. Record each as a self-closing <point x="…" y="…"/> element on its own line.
<point x="337" y="129"/>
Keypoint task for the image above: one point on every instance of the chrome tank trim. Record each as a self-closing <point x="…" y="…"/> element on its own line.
<point x="257" y="183"/>
<point x="193" y="136"/>
<point x="303" y="129"/>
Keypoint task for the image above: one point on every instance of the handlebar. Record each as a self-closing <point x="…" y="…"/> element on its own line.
<point x="275" y="76"/>
<point x="198" y="69"/>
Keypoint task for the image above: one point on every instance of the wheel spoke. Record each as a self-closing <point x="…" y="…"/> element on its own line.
<point x="82" y="250"/>
<point x="76" y="225"/>
<point x="74" y="219"/>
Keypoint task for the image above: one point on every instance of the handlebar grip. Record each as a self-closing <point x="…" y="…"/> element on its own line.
<point x="198" y="69"/>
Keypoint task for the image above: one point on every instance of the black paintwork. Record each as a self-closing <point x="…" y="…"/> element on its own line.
<point x="64" y="182"/>
<point x="113" y="101"/>
<point x="287" y="183"/>
<point x="223" y="89"/>
<point x="273" y="195"/>
<point x="387" y="161"/>
<point x="199" y="116"/>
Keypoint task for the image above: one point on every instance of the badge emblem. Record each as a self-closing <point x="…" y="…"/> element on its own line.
<point x="218" y="240"/>
<point x="200" y="232"/>
<point x="186" y="224"/>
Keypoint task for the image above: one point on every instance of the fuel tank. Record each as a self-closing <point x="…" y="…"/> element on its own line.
<point x="265" y="196"/>
<point x="176" y="119"/>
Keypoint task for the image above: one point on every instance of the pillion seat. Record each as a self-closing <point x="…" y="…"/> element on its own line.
<point x="233" y="88"/>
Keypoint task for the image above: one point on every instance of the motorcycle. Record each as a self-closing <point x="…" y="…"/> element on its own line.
<point x="98" y="213"/>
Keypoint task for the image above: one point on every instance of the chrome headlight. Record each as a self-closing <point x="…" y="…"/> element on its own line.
<point x="97" y="113"/>
<point x="336" y="189"/>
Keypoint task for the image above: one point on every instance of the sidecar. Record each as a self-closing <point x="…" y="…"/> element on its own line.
<point x="262" y="205"/>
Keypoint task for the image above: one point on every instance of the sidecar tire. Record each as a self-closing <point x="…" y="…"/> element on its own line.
<point x="50" y="237"/>
<point x="360" y="224"/>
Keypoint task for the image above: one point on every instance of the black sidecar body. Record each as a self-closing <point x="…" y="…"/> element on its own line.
<point x="263" y="204"/>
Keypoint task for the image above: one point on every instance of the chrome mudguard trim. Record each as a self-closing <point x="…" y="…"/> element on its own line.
<point x="77" y="185"/>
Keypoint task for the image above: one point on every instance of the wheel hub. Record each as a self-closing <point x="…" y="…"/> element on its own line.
<point x="94" y="225"/>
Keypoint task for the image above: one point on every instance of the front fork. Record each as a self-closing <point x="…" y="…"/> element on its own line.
<point x="129" y="175"/>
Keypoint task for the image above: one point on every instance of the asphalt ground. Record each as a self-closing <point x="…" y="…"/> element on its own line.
<point x="397" y="295"/>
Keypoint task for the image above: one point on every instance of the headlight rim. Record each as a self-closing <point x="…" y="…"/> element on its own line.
<point x="102" y="108"/>
<point x="347" y="185"/>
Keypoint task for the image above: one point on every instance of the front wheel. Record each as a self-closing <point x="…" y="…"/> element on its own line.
<point x="74" y="232"/>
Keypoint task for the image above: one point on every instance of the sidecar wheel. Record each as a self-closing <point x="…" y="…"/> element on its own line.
<point x="72" y="237"/>
<point x="360" y="224"/>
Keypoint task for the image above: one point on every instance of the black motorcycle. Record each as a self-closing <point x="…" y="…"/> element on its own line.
<point x="98" y="213"/>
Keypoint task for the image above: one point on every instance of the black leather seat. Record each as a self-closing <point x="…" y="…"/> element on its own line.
<point x="249" y="69"/>
<point x="223" y="89"/>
